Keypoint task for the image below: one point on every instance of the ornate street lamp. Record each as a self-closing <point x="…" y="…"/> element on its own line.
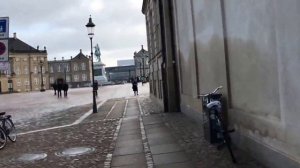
<point x="42" y="81"/>
<point x="90" y="28"/>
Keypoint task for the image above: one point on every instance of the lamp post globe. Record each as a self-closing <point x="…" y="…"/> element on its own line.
<point x="90" y="28"/>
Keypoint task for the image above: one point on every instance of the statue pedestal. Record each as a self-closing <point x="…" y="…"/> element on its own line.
<point x="99" y="73"/>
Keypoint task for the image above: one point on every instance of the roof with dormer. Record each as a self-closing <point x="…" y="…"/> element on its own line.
<point x="16" y="45"/>
<point x="142" y="53"/>
<point x="80" y="56"/>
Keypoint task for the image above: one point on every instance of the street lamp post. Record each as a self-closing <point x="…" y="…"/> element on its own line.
<point x="42" y="81"/>
<point x="65" y="70"/>
<point x="90" y="28"/>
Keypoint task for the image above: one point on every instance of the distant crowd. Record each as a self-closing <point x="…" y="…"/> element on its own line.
<point x="58" y="87"/>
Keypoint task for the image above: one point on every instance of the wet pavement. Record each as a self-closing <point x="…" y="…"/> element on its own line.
<point x="126" y="132"/>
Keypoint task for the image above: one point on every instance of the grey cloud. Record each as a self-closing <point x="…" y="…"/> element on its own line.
<point x="60" y="25"/>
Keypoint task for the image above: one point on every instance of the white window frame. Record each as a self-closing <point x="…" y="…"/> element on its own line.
<point x="76" y="78"/>
<point x="59" y="68"/>
<point x="68" y="78"/>
<point x="26" y="82"/>
<point x="51" y="80"/>
<point x="36" y="81"/>
<point x="67" y="68"/>
<point x="84" y="77"/>
<point x="19" y="82"/>
<point x="75" y="67"/>
<point x="83" y="66"/>
<point x="17" y="70"/>
<point x="26" y="71"/>
<point x="35" y="69"/>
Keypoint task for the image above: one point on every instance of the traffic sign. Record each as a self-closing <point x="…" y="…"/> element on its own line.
<point x="3" y="50"/>
<point x="4" y="66"/>
<point x="4" y="33"/>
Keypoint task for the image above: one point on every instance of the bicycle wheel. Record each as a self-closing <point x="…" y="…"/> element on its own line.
<point x="3" y="138"/>
<point x="11" y="130"/>
<point x="226" y="139"/>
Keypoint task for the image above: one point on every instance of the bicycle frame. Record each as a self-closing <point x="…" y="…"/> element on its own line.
<point x="212" y="104"/>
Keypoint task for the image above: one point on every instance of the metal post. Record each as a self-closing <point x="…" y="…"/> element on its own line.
<point x="94" y="95"/>
<point x="42" y="83"/>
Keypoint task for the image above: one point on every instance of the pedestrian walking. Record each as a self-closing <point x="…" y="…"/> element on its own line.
<point x="59" y="88"/>
<point x="95" y="88"/>
<point x="135" y="87"/>
<point x="54" y="85"/>
<point x="65" y="88"/>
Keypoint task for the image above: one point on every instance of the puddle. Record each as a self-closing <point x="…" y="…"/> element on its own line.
<point x="75" y="151"/>
<point x="31" y="157"/>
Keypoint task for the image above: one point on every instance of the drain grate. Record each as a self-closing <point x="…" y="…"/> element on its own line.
<point x="75" y="151"/>
<point x="31" y="157"/>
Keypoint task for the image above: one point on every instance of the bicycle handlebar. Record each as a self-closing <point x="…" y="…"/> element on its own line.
<point x="217" y="89"/>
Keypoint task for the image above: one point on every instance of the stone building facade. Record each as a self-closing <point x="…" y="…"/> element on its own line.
<point x="251" y="48"/>
<point x="24" y="73"/>
<point x="141" y="62"/>
<point x="76" y="71"/>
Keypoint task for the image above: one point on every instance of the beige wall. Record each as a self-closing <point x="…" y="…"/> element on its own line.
<point x="261" y="68"/>
<point x="264" y="64"/>
<point x="26" y="77"/>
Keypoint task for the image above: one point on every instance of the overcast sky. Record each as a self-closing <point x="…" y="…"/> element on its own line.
<point x="60" y="26"/>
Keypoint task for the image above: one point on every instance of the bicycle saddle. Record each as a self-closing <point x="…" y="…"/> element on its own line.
<point x="2" y="113"/>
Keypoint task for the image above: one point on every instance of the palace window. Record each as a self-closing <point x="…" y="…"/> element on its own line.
<point x="75" y="67"/>
<point x="76" y="78"/>
<point x="35" y="69"/>
<point x="68" y="78"/>
<point x="19" y="82"/>
<point x="84" y="77"/>
<point x="51" y="80"/>
<point x="26" y="82"/>
<point x="36" y="81"/>
<point x="51" y="69"/>
<point x="17" y="70"/>
<point x="83" y="66"/>
<point x="25" y="69"/>
<point x="59" y="68"/>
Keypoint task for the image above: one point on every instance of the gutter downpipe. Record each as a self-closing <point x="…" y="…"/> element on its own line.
<point x="163" y="64"/>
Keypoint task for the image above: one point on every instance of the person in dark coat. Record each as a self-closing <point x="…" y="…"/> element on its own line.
<point x="95" y="88"/>
<point x="135" y="87"/>
<point x="65" y="88"/>
<point x="54" y="85"/>
<point x="59" y="88"/>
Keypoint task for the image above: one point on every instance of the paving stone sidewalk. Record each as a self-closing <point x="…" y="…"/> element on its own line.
<point x="189" y="136"/>
<point x="125" y="133"/>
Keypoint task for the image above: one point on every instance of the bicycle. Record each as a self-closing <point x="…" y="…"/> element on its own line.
<point x="7" y="129"/>
<point x="213" y="106"/>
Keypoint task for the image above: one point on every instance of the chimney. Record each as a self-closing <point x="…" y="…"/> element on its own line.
<point x="62" y="58"/>
<point x="15" y="35"/>
<point x="54" y="58"/>
<point x="142" y="47"/>
<point x="71" y="57"/>
<point x="37" y="47"/>
<point x="80" y="50"/>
